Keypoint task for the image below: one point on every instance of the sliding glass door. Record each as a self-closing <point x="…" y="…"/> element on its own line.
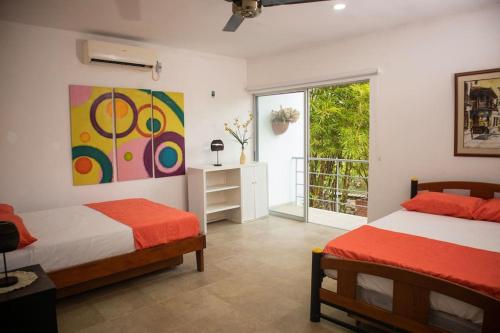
<point x="281" y="133"/>
<point x="339" y="119"/>
<point x="315" y="142"/>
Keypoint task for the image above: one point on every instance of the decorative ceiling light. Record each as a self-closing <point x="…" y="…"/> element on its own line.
<point x="339" y="6"/>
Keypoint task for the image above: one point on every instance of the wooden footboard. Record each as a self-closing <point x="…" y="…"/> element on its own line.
<point x="411" y="292"/>
<point x="95" y="274"/>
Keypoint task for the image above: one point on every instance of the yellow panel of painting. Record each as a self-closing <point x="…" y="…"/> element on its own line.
<point x="91" y="134"/>
<point x="168" y="141"/>
<point x="133" y="131"/>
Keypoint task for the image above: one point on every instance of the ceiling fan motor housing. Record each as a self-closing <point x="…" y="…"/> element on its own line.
<point x="247" y="8"/>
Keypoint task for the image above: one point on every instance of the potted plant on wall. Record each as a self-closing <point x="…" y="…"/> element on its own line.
<point x="240" y="133"/>
<point x="281" y="119"/>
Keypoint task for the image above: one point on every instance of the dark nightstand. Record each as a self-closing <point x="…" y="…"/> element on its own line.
<point x="32" y="308"/>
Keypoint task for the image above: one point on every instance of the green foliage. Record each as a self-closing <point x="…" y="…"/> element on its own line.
<point x="339" y="128"/>
<point x="340" y="121"/>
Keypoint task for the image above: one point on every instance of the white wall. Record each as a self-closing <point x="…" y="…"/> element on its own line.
<point x="278" y="150"/>
<point x="37" y="65"/>
<point x="412" y="117"/>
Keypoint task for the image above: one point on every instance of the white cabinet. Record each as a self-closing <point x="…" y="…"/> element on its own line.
<point x="236" y="193"/>
<point x="254" y="194"/>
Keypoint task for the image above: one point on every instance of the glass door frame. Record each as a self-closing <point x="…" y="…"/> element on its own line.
<point x="305" y="91"/>
<point x="370" y="78"/>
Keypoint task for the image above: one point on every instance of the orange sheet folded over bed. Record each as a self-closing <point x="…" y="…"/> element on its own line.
<point x="152" y="223"/>
<point x="471" y="267"/>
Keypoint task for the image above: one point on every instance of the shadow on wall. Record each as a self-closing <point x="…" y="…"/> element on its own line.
<point x="79" y="50"/>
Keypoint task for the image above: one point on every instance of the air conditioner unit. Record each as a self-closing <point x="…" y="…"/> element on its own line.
<point x="98" y="52"/>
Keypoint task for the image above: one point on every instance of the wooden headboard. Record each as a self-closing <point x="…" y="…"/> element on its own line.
<point x="480" y="190"/>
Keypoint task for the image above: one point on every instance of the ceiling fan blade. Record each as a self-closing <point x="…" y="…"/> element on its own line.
<point x="129" y="9"/>
<point x="270" y="3"/>
<point x="233" y="23"/>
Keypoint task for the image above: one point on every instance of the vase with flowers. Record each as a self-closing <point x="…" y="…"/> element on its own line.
<point x="239" y="131"/>
<point x="281" y="119"/>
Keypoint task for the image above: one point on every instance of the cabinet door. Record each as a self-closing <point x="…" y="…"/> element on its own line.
<point x="247" y="193"/>
<point x="261" y="194"/>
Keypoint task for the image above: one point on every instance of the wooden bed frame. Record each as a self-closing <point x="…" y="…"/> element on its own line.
<point x="77" y="279"/>
<point x="411" y="304"/>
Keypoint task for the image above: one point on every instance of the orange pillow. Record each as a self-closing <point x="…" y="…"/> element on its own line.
<point x="5" y="208"/>
<point x="444" y="204"/>
<point x="488" y="211"/>
<point x="25" y="238"/>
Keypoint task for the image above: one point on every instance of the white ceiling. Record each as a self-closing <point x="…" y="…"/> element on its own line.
<point x="197" y="24"/>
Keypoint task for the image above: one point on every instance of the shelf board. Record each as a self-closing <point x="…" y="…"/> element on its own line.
<point x="214" y="208"/>
<point x="217" y="188"/>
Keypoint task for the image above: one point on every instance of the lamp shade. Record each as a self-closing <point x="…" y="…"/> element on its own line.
<point x="9" y="236"/>
<point x="217" y="145"/>
<point x="9" y="240"/>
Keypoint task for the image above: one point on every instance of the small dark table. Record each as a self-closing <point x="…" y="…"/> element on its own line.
<point x="32" y="308"/>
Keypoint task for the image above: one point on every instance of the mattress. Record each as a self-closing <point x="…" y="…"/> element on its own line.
<point x="448" y="322"/>
<point x="70" y="236"/>
<point x="476" y="234"/>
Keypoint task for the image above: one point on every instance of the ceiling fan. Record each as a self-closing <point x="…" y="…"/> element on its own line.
<point x="252" y="8"/>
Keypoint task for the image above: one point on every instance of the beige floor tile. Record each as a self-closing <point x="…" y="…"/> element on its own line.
<point x="169" y="287"/>
<point x="121" y="303"/>
<point x="298" y="322"/>
<point x="256" y="279"/>
<point x="77" y="317"/>
<point x="196" y="304"/>
<point x="229" y="322"/>
<point x="151" y="318"/>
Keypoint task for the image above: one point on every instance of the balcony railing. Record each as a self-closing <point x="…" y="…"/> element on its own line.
<point x="339" y="185"/>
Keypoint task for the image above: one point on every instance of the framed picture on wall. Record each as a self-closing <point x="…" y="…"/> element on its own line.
<point x="477" y="113"/>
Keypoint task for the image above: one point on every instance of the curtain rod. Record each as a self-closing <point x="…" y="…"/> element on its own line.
<point x="330" y="79"/>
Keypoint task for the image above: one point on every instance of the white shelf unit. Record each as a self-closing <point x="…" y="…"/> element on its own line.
<point x="217" y="188"/>
<point x="220" y="207"/>
<point x="236" y="193"/>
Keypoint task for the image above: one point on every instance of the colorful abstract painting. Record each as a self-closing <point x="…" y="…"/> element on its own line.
<point x="147" y="138"/>
<point x="134" y="129"/>
<point x="168" y="140"/>
<point x="91" y="111"/>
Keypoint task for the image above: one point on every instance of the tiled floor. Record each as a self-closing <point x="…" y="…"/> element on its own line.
<point x="256" y="279"/>
<point x="322" y="216"/>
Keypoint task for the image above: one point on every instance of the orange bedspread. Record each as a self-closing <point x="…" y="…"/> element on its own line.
<point x="471" y="267"/>
<point x="152" y="223"/>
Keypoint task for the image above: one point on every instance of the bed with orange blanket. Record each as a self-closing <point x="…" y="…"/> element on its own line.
<point x="415" y="271"/>
<point x="152" y="223"/>
<point x="84" y="247"/>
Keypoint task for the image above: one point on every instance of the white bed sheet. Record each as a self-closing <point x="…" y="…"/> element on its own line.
<point x="70" y="236"/>
<point x="477" y="234"/>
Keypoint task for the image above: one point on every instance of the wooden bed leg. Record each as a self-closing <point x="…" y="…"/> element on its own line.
<point x="316" y="281"/>
<point x="200" y="264"/>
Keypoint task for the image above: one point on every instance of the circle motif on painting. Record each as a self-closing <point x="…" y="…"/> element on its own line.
<point x="128" y="156"/>
<point x="153" y="125"/>
<point x="85" y="137"/>
<point x="121" y="108"/>
<point x="168" y="153"/>
<point x="120" y="113"/>
<point x="82" y="156"/>
<point x="147" y="124"/>
<point x="167" y="157"/>
<point x="83" y="165"/>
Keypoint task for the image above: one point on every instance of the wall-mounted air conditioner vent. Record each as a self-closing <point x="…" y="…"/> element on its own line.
<point x="97" y="52"/>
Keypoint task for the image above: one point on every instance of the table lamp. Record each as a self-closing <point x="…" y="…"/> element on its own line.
<point x="9" y="240"/>
<point x="217" y="145"/>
